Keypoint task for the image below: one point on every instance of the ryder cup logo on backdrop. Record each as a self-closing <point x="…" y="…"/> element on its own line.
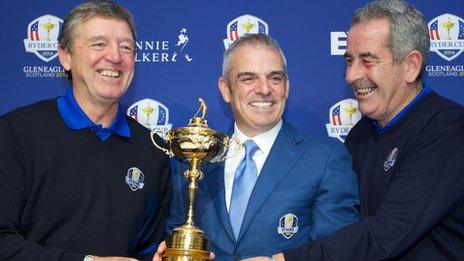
<point x="447" y="36"/>
<point x="245" y="24"/>
<point x="343" y="116"/>
<point x="151" y="114"/>
<point x="42" y="37"/>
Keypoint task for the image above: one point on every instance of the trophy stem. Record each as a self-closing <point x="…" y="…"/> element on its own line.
<point x="193" y="174"/>
<point x="192" y="189"/>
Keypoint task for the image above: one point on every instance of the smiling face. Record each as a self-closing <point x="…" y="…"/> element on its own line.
<point x="380" y="86"/>
<point x="102" y="61"/>
<point x="256" y="88"/>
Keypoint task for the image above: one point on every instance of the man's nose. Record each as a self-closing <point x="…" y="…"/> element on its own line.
<point x="263" y="87"/>
<point x="354" y="72"/>
<point x="113" y="54"/>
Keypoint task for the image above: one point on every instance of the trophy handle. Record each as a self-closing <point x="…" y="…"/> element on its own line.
<point x="223" y="156"/>
<point x="168" y="152"/>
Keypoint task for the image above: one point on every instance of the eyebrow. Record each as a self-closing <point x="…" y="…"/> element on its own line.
<point x="102" y="37"/>
<point x="278" y="72"/>
<point x="369" y="55"/>
<point x="240" y="74"/>
<point x="363" y="55"/>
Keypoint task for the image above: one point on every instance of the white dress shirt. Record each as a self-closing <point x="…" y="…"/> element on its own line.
<point x="236" y="153"/>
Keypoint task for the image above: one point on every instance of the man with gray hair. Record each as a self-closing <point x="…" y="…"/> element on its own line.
<point x="408" y="150"/>
<point x="79" y="180"/>
<point x="284" y="187"/>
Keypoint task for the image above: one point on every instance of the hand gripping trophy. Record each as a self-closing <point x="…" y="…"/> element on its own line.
<point x="195" y="144"/>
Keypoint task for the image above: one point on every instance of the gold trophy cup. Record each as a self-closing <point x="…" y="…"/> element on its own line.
<point x="48" y="27"/>
<point x="148" y="110"/>
<point x="448" y="26"/>
<point x="195" y="144"/>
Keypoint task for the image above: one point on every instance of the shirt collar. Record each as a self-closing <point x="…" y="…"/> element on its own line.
<point x="264" y="140"/>
<point x="76" y="119"/>
<point x="379" y="129"/>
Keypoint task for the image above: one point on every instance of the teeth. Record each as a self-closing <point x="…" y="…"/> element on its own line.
<point x="261" y="104"/>
<point x="109" y="73"/>
<point x="365" y="91"/>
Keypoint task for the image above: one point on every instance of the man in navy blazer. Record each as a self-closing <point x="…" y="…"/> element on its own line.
<point x="305" y="189"/>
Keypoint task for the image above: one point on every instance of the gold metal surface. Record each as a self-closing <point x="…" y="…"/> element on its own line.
<point x="195" y="144"/>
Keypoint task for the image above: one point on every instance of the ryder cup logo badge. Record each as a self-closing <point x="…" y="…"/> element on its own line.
<point x="134" y="178"/>
<point x="343" y="116"/>
<point x="391" y="159"/>
<point x="42" y="37"/>
<point x="245" y="24"/>
<point x="151" y="114"/>
<point x="447" y="36"/>
<point x="288" y="225"/>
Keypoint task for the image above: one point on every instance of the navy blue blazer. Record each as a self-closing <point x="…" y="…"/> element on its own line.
<point x="306" y="190"/>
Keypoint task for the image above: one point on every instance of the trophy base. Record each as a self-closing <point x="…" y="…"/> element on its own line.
<point x="186" y="243"/>
<point x="185" y="255"/>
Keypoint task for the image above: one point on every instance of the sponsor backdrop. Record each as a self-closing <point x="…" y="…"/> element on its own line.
<point x="179" y="55"/>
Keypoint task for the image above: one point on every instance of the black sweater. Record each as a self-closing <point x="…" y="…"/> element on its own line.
<point x="63" y="193"/>
<point x="412" y="200"/>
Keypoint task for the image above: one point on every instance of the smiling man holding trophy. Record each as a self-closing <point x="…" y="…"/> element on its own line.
<point x="278" y="188"/>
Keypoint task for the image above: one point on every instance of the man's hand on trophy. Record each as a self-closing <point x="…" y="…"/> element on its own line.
<point x="160" y="251"/>
<point x="162" y="247"/>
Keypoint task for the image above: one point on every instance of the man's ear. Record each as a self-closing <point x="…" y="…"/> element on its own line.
<point x="288" y="88"/>
<point x="413" y="63"/>
<point x="224" y="87"/>
<point x="65" y="58"/>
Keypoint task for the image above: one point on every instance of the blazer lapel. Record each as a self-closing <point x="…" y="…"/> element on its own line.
<point x="215" y="180"/>
<point x="284" y="154"/>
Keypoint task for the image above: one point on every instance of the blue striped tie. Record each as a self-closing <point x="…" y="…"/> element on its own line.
<point x="244" y="181"/>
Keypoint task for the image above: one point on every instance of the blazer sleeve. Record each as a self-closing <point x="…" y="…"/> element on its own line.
<point x="336" y="204"/>
<point x="427" y="187"/>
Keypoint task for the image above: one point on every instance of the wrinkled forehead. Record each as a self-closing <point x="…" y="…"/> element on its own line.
<point x="104" y="25"/>
<point x="368" y="36"/>
<point x="256" y="55"/>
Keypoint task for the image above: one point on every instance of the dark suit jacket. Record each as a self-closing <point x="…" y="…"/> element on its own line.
<point x="306" y="190"/>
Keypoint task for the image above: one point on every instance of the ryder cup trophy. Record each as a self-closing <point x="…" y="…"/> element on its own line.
<point x="195" y="144"/>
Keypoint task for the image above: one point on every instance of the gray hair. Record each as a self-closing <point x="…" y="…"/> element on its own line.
<point x="250" y="39"/>
<point x="408" y="28"/>
<point x="88" y="10"/>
